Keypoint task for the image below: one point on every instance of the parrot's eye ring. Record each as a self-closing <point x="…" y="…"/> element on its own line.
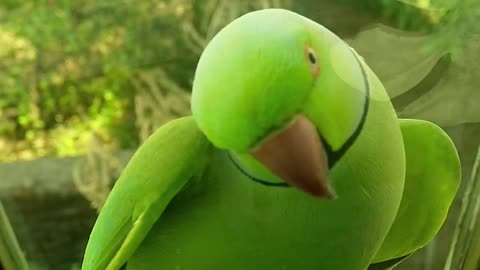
<point x="312" y="59"/>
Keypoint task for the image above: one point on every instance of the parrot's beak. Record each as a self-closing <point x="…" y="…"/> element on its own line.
<point x="296" y="154"/>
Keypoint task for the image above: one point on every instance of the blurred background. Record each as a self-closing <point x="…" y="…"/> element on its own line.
<point x="83" y="83"/>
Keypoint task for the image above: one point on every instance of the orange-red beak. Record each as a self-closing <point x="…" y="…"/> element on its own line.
<point x="297" y="155"/>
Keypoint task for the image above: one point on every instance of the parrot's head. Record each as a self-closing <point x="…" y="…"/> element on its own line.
<point x="285" y="96"/>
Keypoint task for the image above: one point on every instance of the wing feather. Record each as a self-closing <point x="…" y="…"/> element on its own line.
<point x="160" y="168"/>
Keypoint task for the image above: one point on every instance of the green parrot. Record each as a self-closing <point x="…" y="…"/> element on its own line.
<point x="293" y="158"/>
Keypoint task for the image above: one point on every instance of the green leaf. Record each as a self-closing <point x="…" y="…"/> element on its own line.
<point x="455" y="99"/>
<point x="400" y="59"/>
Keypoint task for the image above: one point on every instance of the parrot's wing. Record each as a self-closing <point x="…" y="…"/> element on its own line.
<point x="432" y="178"/>
<point x="388" y="265"/>
<point x="175" y="154"/>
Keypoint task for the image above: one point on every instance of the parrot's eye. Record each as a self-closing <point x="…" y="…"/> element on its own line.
<point x="312" y="59"/>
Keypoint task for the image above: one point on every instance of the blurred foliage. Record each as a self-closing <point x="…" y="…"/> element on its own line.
<point x="67" y="67"/>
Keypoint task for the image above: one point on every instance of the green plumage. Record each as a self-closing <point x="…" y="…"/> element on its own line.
<point x="182" y="203"/>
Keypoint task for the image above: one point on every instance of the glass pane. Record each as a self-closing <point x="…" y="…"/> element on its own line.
<point x="84" y="83"/>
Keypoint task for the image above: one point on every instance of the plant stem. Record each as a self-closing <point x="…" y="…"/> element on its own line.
<point x="463" y="235"/>
<point x="11" y="256"/>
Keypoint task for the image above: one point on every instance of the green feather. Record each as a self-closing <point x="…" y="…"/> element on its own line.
<point x="148" y="183"/>
<point x="432" y="179"/>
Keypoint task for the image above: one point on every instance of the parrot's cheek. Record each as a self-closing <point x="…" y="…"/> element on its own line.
<point x="296" y="154"/>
